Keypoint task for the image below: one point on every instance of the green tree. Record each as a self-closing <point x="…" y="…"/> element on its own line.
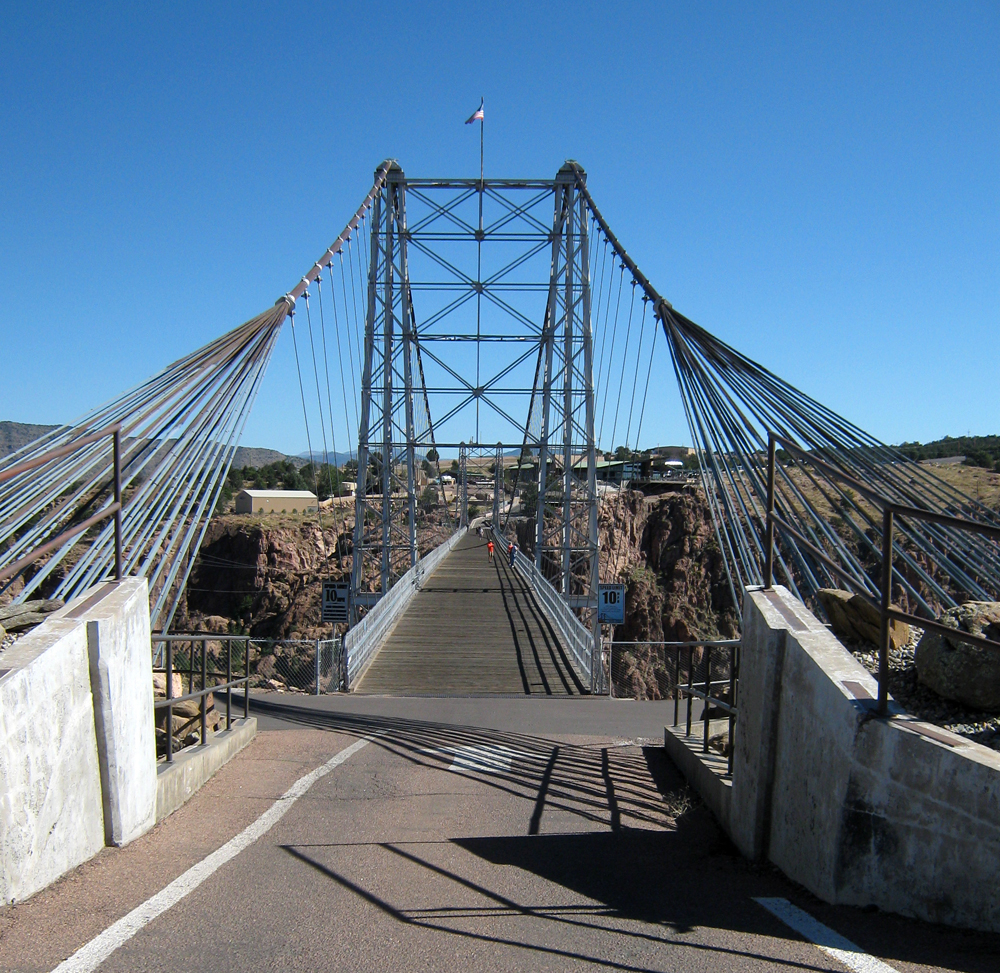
<point x="433" y="455"/>
<point x="529" y="500"/>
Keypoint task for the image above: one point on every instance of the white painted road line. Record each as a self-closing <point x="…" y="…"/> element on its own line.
<point x="489" y="759"/>
<point x="824" y="938"/>
<point x="89" y="957"/>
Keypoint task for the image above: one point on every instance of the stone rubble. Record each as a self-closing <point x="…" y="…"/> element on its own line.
<point x="921" y="701"/>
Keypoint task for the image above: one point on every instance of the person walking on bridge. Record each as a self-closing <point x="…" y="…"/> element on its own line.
<point x="489" y="547"/>
<point x="512" y="554"/>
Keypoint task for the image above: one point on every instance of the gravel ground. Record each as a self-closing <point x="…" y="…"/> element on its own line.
<point x="6" y="642"/>
<point x="924" y="703"/>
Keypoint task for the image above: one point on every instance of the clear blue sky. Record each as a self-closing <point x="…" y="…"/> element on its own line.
<point x="817" y="184"/>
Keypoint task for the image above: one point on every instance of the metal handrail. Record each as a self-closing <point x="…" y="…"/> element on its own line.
<point x="113" y="509"/>
<point x="890" y="509"/>
<point x="703" y="689"/>
<point x="203" y="693"/>
<point x="578" y="638"/>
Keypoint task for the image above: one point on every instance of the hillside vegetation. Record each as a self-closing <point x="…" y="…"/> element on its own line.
<point x="981" y="451"/>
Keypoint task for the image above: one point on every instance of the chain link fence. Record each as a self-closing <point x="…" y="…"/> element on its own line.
<point x="310" y="666"/>
<point x="202" y="671"/>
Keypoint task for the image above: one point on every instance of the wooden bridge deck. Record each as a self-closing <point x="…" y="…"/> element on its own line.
<point x="475" y="628"/>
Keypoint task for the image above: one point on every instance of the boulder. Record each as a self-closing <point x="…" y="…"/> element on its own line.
<point x="853" y="617"/>
<point x="39" y="606"/>
<point x="23" y="620"/>
<point x="957" y="670"/>
<point x="160" y="685"/>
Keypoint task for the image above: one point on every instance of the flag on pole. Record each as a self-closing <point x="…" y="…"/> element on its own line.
<point x="477" y="115"/>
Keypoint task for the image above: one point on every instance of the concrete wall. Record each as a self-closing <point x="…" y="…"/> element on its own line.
<point x="859" y="810"/>
<point x="77" y="745"/>
<point x="51" y="816"/>
<point x="121" y="676"/>
<point x="78" y="766"/>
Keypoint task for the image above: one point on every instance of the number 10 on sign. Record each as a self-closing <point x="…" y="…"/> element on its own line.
<point x="611" y="604"/>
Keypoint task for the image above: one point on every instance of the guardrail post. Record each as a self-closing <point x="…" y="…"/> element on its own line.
<point x="708" y="693"/>
<point x="229" y="688"/>
<point x="246" y="685"/>
<point x="317" y="666"/>
<point x="677" y="684"/>
<point x="204" y="695"/>
<point x="733" y="663"/>
<point x="883" y="649"/>
<point x="170" y="709"/>
<point x="117" y="455"/>
<point x="690" y="696"/>
<point x="769" y="528"/>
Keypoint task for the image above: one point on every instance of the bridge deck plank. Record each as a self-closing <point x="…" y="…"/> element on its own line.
<point x="474" y="628"/>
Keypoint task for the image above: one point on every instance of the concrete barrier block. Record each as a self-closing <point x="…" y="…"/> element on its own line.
<point x="761" y="655"/>
<point x="920" y="827"/>
<point x="121" y="676"/>
<point x="50" y="783"/>
<point x="860" y="810"/>
<point x="181" y="778"/>
<point x="816" y="730"/>
<point x="708" y="772"/>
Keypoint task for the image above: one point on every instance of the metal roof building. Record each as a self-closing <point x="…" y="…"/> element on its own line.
<point x="275" y="501"/>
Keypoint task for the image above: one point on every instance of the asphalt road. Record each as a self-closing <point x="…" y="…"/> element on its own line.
<point x="470" y="834"/>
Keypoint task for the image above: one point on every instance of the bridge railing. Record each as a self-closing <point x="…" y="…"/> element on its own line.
<point x="576" y="636"/>
<point x="364" y="640"/>
<point x="707" y="670"/>
<point x="891" y="509"/>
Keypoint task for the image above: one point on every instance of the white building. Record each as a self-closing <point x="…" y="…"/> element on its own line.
<point x="275" y="502"/>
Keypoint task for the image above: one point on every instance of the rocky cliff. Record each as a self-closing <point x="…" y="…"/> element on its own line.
<point x="264" y="578"/>
<point x="664" y="549"/>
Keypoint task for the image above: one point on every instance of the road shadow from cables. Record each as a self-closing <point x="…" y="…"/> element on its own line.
<point x="636" y="847"/>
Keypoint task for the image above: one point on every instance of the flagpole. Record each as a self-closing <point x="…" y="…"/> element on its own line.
<point x="479" y="255"/>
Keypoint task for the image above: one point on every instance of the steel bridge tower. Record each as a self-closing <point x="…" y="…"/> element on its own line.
<point x="385" y="540"/>
<point x="557" y="428"/>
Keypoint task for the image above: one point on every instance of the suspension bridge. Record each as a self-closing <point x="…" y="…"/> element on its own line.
<point x="492" y="318"/>
<point x="504" y="323"/>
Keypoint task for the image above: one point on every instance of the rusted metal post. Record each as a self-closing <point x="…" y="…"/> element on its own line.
<point x="170" y="709"/>
<point x="690" y="686"/>
<point x="883" y="648"/>
<point x="204" y="695"/>
<point x="677" y="684"/>
<point x="769" y="528"/>
<point x="733" y="663"/>
<point x="708" y="693"/>
<point x="117" y="455"/>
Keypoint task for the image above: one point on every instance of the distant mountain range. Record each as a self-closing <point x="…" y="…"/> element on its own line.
<point x="251" y="456"/>
<point x="14" y="435"/>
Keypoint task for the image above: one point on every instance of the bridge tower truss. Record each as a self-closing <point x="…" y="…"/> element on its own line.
<point x="385" y="522"/>
<point x="504" y="333"/>
<point x="566" y="541"/>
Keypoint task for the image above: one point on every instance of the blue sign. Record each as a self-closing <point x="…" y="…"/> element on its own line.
<point x="611" y="603"/>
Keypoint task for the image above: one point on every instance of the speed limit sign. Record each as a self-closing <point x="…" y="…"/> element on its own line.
<point x="611" y="603"/>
